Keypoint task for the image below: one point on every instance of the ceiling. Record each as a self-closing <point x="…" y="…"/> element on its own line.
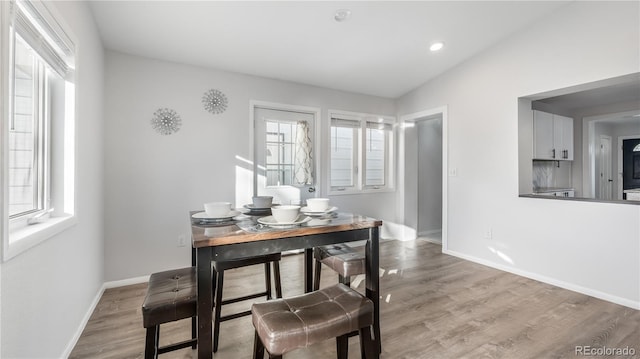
<point x="610" y="95"/>
<point x="381" y="50"/>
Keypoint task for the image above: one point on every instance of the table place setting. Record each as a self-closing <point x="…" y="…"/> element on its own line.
<point x="284" y="216"/>
<point x="260" y="206"/>
<point x="216" y="214"/>
<point x="318" y="207"/>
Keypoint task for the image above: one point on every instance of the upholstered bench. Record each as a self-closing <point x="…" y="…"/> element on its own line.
<point x="171" y="296"/>
<point x="346" y="261"/>
<point x="283" y="325"/>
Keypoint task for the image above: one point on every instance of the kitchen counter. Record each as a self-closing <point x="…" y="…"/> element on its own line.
<point x="542" y="190"/>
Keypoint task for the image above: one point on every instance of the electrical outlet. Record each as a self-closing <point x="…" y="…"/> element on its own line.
<point x="182" y="240"/>
<point x="453" y="172"/>
<point x="488" y="233"/>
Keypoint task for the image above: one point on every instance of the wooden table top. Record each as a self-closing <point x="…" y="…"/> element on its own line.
<point x="247" y="229"/>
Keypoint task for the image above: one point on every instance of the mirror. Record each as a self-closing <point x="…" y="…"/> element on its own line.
<point x="578" y="142"/>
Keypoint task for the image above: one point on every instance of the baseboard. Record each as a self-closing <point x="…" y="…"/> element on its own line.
<point x="83" y="323"/>
<point x="555" y="282"/>
<point x="125" y="282"/>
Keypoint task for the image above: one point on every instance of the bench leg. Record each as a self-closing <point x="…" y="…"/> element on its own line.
<point x="194" y="331"/>
<point x="342" y="346"/>
<point x="368" y="347"/>
<point x="316" y="277"/>
<point x="258" y="348"/>
<point x="218" y="310"/>
<point x="267" y="279"/>
<point x="344" y="280"/>
<point x="276" y="275"/>
<point x="151" y="344"/>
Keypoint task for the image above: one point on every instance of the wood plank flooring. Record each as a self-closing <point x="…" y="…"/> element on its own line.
<point x="432" y="306"/>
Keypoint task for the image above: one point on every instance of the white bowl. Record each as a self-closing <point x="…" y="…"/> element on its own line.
<point x="285" y="214"/>
<point x="318" y="204"/>
<point x="217" y="209"/>
<point x="262" y="201"/>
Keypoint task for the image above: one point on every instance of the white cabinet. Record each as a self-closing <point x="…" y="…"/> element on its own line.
<point x="552" y="136"/>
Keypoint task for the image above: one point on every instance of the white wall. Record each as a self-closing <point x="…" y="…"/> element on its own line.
<point x="48" y="290"/>
<point x="590" y="247"/>
<point x="152" y="181"/>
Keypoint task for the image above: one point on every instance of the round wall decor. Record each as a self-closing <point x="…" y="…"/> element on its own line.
<point x="166" y="121"/>
<point x="214" y="101"/>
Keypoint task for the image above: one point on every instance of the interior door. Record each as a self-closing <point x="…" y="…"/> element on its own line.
<point x="606" y="180"/>
<point x="630" y="164"/>
<point x="275" y="150"/>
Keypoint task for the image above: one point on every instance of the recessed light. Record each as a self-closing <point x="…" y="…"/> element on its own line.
<point x="436" y="46"/>
<point x="342" y="15"/>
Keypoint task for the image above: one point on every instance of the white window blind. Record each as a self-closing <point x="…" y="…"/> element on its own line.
<point x="35" y="24"/>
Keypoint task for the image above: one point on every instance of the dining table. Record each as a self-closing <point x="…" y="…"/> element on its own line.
<point x="248" y="235"/>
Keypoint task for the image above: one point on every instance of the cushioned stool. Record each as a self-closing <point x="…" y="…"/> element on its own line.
<point x="171" y="296"/>
<point x="219" y="268"/>
<point x="298" y="322"/>
<point x="346" y="261"/>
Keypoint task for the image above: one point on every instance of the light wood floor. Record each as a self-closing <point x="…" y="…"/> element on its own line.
<point x="432" y="306"/>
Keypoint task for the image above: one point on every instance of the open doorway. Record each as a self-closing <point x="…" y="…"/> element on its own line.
<point x="425" y="174"/>
<point x="429" y="133"/>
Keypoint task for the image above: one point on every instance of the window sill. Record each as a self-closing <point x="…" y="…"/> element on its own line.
<point x="22" y="239"/>
<point x="362" y="191"/>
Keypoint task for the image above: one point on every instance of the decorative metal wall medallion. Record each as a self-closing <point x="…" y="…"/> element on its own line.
<point x="166" y="121"/>
<point x="214" y="101"/>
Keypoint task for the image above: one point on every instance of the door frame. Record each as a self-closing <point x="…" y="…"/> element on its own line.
<point x="409" y="120"/>
<point x="317" y="146"/>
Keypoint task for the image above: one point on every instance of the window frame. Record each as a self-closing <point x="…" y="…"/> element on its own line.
<point x="360" y="152"/>
<point x="39" y="26"/>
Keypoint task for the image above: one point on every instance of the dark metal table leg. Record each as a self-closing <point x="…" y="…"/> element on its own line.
<point x="372" y="255"/>
<point x="205" y="302"/>
<point x="308" y="270"/>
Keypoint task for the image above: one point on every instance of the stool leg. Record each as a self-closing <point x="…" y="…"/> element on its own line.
<point x="267" y="279"/>
<point x="258" y="348"/>
<point x="316" y="279"/>
<point x="151" y="344"/>
<point x="194" y="331"/>
<point x="342" y="346"/>
<point x="218" y="309"/>
<point x="368" y="347"/>
<point x="214" y="278"/>
<point x="344" y="280"/>
<point x="276" y="275"/>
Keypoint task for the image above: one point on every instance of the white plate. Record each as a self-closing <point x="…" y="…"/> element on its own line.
<point x="252" y="207"/>
<point x="309" y="212"/>
<point x="204" y="216"/>
<point x="270" y="221"/>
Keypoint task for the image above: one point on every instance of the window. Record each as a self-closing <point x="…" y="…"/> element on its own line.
<point x="279" y="152"/>
<point x="28" y="154"/>
<point x="38" y="119"/>
<point x="361" y="152"/>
